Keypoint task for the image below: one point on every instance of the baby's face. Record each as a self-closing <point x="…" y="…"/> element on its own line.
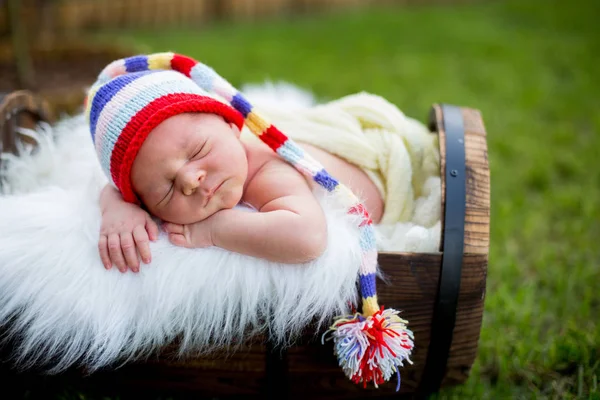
<point x="189" y="167"/>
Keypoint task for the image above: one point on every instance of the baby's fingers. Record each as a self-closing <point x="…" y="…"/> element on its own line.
<point x="103" y="249"/>
<point x="173" y="228"/>
<point x="152" y="229"/>
<point x="130" y="251"/>
<point x="115" y="252"/>
<point x="178" y="239"/>
<point x="143" y="245"/>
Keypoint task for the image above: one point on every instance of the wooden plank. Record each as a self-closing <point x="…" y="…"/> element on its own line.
<point x="477" y="224"/>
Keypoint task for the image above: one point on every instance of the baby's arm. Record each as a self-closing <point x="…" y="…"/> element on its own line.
<point x="290" y="226"/>
<point x="125" y="230"/>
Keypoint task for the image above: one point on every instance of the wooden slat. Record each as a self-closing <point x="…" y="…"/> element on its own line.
<point x="477" y="224"/>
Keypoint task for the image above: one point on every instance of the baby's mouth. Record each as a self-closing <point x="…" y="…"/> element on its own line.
<point x="212" y="193"/>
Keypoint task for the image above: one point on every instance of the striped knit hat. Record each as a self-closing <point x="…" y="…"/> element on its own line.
<point x="133" y="95"/>
<point x="129" y="100"/>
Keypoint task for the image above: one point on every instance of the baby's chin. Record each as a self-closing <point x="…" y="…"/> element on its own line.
<point x="205" y="214"/>
<point x="187" y="219"/>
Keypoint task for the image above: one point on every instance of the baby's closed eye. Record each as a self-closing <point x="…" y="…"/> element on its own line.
<point x="165" y="197"/>
<point x="200" y="151"/>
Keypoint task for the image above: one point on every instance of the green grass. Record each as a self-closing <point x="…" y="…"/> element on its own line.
<point x="532" y="69"/>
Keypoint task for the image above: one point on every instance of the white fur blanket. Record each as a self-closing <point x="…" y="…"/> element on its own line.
<point x="63" y="308"/>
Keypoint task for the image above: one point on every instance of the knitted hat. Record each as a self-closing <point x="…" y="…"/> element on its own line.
<point x="122" y="111"/>
<point x="129" y="99"/>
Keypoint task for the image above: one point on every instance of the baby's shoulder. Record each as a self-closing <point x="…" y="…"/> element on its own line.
<point x="270" y="177"/>
<point x="259" y="155"/>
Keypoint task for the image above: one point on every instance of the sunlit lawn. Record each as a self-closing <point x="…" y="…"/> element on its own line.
<point x="532" y="68"/>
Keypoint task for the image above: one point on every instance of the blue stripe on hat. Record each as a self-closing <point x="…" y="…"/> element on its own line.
<point x="239" y="103"/>
<point x="106" y="93"/>
<point x="204" y="76"/>
<point x="367" y="285"/>
<point x="367" y="238"/>
<point x="290" y="152"/>
<point x="136" y="64"/>
<point x="325" y="180"/>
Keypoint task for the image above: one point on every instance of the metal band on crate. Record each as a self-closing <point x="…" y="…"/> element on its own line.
<point x="444" y="312"/>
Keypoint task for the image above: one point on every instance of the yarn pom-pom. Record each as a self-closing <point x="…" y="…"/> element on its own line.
<point x="371" y="349"/>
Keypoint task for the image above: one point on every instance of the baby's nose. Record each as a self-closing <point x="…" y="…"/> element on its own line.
<point x="192" y="181"/>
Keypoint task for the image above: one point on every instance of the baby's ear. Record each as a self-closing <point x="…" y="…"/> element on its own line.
<point x="235" y="129"/>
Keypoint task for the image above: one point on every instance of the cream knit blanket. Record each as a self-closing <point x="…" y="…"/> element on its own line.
<point x="398" y="153"/>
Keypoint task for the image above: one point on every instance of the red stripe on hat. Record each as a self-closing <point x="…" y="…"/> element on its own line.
<point x="359" y="209"/>
<point x="139" y="127"/>
<point x="183" y="64"/>
<point x="273" y="137"/>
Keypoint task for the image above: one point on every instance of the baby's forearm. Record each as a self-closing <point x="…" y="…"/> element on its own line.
<point x="279" y="236"/>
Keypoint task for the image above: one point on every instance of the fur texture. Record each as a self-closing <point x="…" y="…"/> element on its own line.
<point x="66" y="309"/>
<point x="63" y="308"/>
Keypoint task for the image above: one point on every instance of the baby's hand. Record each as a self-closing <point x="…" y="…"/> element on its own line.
<point x="194" y="235"/>
<point x="124" y="232"/>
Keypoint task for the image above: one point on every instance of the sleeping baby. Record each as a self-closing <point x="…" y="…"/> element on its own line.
<point x="174" y="152"/>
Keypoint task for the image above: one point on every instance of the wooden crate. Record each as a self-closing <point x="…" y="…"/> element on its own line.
<point x="442" y="295"/>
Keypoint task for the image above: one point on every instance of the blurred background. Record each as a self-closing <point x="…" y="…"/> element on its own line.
<point x="531" y="67"/>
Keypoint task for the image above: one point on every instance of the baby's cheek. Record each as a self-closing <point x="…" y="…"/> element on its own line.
<point x="234" y="196"/>
<point x="161" y="214"/>
<point x="171" y="212"/>
<point x="183" y="213"/>
<point x="191" y="210"/>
